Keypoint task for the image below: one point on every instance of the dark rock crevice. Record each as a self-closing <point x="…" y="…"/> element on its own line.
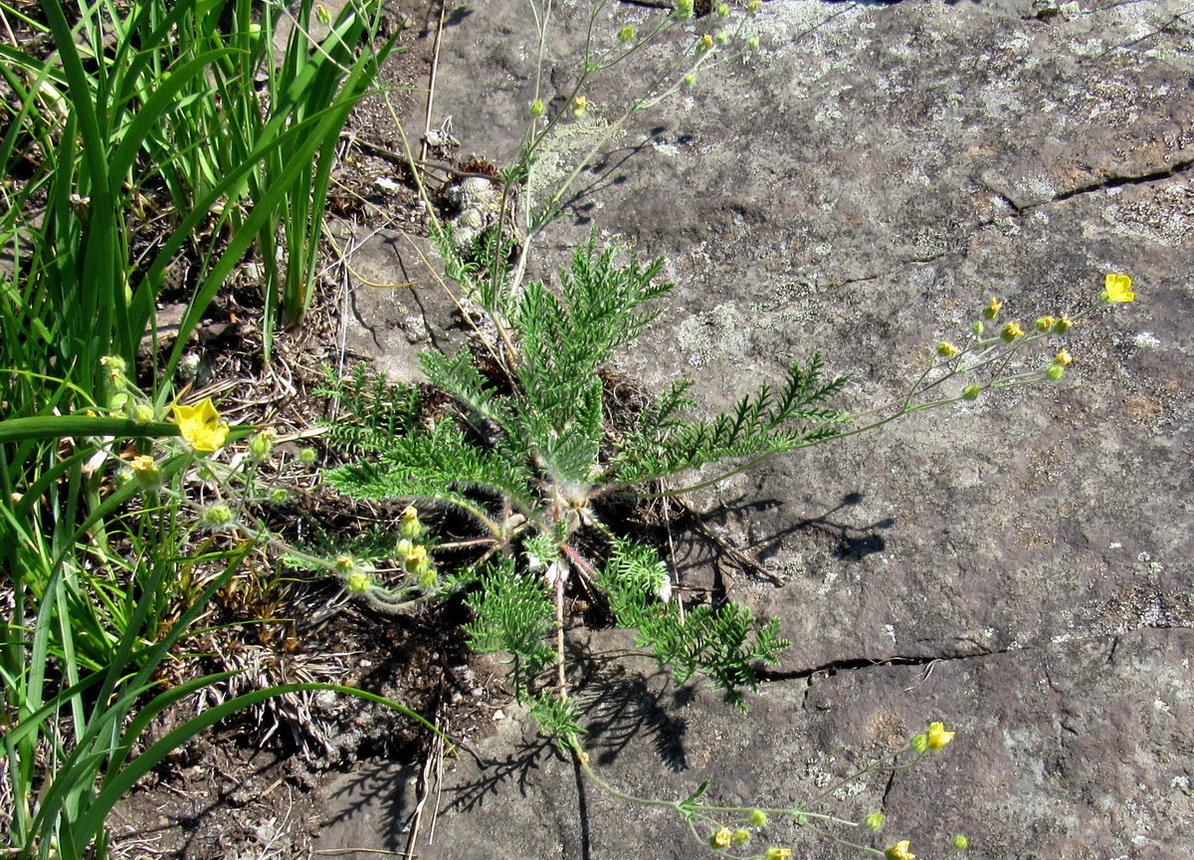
<point x="1114" y="181"/>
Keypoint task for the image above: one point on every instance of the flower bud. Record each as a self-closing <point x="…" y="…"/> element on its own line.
<point x="971" y="392"/>
<point x="919" y="743"/>
<point x="626" y="34"/>
<point x="537" y="107"/>
<point x="417" y="562"/>
<point x="992" y="310"/>
<point x="308" y="456"/>
<point x="690" y="79"/>
<point x="721" y="838"/>
<point x="741" y="836"/>
<point x="1054" y="372"/>
<point x="683" y="9"/>
<point x="753" y="43"/>
<point x="1062" y="325"/>
<point x="410" y="526"/>
<point x="143" y="413"/>
<point x="945" y="349"/>
<point x="216" y="516"/>
<point x="978" y="328"/>
<point x="1045" y="323"/>
<point x="278" y="496"/>
<point x="261" y="444"/>
<point x="778" y="853"/>
<point x="580" y="105"/>
<point x="723" y="9"/>
<point x="403" y="548"/>
<point x="146" y="469"/>
<point x="357" y="581"/>
<point x="1011" y="331"/>
<point x="722" y="37"/>
<point x="758" y="818"/>
<point x="321" y="12"/>
<point x="874" y="821"/>
<point x="961" y="843"/>
<point x="754" y="5"/>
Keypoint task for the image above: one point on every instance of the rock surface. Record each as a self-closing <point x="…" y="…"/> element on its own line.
<point x="1021" y="568"/>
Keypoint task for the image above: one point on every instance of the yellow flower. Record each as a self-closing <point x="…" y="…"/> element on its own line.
<point x="1064" y="357"/>
<point x="706" y="42"/>
<point x="899" y="851"/>
<point x="938" y="736"/>
<point x="201" y="426"/>
<point x="1011" y="331"/>
<point x="778" y="853"/>
<point x="1045" y="323"/>
<point x="992" y="310"/>
<point x="1118" y="288"/>
<point x="580" y="104"/>
<point x="721" y="838"/>
<point x="945" y="349"/>
<point x="143" y="463"/>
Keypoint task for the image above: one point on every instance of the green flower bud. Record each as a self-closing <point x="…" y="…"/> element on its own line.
<point x="403" y="548"/>
<point x="683" y="9"/>
<point x="754" y="5"/>
<point x="758" y="818"/>
<point x="919" y="743"/>
<point x="357" y="581"/>
<point x="690" y="79"/>
<point x="149" y="476"/>
<point x="143" y="413"/>
<point x="722" y="37"/>
<point x="278" y="496"/>
<point x="344" y="564"/>
<point x="261" y="444"/>
<point x="978" y="328"/>
<point x="971" y="392"/>
<point x="428" y="581"/>
<point x="308" y="456"/>
<point x="874" y="821"/>
<point x="753" y="43"/>
<point x="722" y="837"/>
<point x="961" y="843"/>
<point x="410" y="526"/>
<point x="216" y="516"/>
<point x="1055" y="372"/>
<point x="741" y="836"/>
<point x="321" y="12"/>
<point x="537" y="107"/>
<point x="627" y="34"/>
<point x="723" y="9"/>
<point x="945" y="349"/>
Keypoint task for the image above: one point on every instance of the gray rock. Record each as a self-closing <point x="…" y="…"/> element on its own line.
<point x="1019" y="567"/>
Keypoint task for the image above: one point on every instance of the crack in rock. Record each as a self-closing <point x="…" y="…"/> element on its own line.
<point x="1019" y="209"/>
<point x="857" y="663"/>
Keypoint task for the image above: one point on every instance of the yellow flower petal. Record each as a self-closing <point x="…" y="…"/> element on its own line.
<point x="201" y="426"/>
<point x="1119" y="288"/>
<point x="937" y="736"/>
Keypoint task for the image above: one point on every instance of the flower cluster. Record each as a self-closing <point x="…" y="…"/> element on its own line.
<point x="984" y="352"/>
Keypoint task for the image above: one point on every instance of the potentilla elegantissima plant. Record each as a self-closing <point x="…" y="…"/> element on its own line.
<point x="524" y="455"/>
